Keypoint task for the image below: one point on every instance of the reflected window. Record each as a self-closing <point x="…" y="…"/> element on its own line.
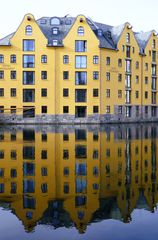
<point x="44" y="137"/>
<point x="95" y="154"/>
<point x="44" y="154"/>
<point x="107" y="168"/>
<point x="66" y="188"/>
<point x="80" y="215"/>
<point x="81" y="185"/>
<point x="80" y="151"/>
<point x="1" y="187"/>
<point x="80" y="135"/>
<point x="13" y="137"/>
<point x="44" y="187"/>
<point x="95" y="171"/>
<point x="13" y="187"/>
<point x="65" y="137"/>
<point x="13" y="173"/>
<point x="28" y="186"/>
<point x="80" y="201"/>
<point x="1" y="154"/>
<point x="95" y="136"/>
<point x="65" y="154"/>
<point x="95" y="186"/>
<point x="28" y="169"/>
<point x="28" y="135"/>
<point x="44" y="171"/>
<point x="29" y="152"/>
<point x="81" y="169"/>
<point x="29" y="202"/>
<point x="66" y="171"/>
<point x="1" y="172"/>
<point x="29" y="215"/>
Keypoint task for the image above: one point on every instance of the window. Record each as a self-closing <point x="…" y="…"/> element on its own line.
<point x="28" y="45"/>
<point x="44" y="154"/>
<point x="65" y="59"/>
<point x="108" y="76"/>
<point x="44" y="171"/>
<point x="28" y="112"/>
<point x="81" y="78"/>
<point x="80" y="112"/>
<point x="108" y="93"/>
<point x="13" y="92"/>
<point x="95" y="109"/>
<point x="55" y="21"/>
<point x="146" y="94"/>
<point x="44" y="137"/>
<point x="119" y="62"/>
<point x="44" y="92"/>
<point x="137" y="94"/>
<point x="146" y="66"/>
<point x="13" y="58"/>
<point x="108" y="61"/>
<point x="65" y="109"/>
<point x="28" y="95"/>
<point x="44" y="59"/>
<point x="1" y="92"/>
<point x="107" y="109"/>
<point x="28" y="61"/>
<point x="55" y="31"/>
<point x="1" y="154"/>
<point x="65" y="75"/>
<point x="100" y="32"/>
<point x="127" y="96"/>
<point x="80" y="31"/>
<point x="1" y="58"/>
<point x="43" y="75"/>
<point x="137" y="65"/>
<point x="128" y="51"/>
<point x="44" y="109"/>
<point x="13" y="109"/>
<point x="81" y="151"/>
<point x="28" y="77"/>
<point x="119" y="93"/>
<point x="146" y="80"/>
<point x="127" y="38"/>
<point x="128" y="66"/>
<point x="137" y="79"/>
<point x="119" y="109"/>
<point x="95" y="92"/>
<point x="153" y="43"/>
<point x="95" y="75"/>
<point x="66" y="188"/>
<point x="80" y="95"/>
<point x="55" y="42"/>
<point x="65" y="92"/>
<point x="95" y="59"/>
<point x="119" y="77"/>
<point x="13" y="173"/>
<point x="29" y="152"/>
<point x="65" y="154"/>
<point x="28" y="30"/>
<point x="13" y="74"/>
<point x="123" y="48"/>
<point x="128" y="111"/>
<point x="81" y="61"/>
<point x="128" y="81"/>
<point x="66" y="171"/>
<point x="133" y="50"/>
<point x="1" y="74"/>
<point x="65" y="137"/>
<point x="80" y="46"/>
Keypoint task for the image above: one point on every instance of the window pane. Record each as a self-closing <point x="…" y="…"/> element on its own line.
<point x="28" y="45"/>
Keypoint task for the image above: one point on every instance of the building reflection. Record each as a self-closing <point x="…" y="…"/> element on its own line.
<point x="73" y="176"/>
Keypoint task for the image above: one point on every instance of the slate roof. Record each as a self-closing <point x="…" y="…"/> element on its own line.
<point x="108" y="39"/>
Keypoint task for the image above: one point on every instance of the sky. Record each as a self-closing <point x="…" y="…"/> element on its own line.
<point x="141" y="14"/>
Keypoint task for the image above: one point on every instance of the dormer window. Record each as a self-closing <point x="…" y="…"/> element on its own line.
<point x="80" y="31"/>
<point x="127" y="38"/>
<point x="55" y="21"/>
<point x="109" y="34"/>
<point x="55" y="42"/>
<point x="100" y="32"/>
<point x="43" y="21"/>
<point x="55" y="31"/>
<point x="28" y="30"/>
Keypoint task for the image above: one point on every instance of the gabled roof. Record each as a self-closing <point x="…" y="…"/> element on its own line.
<point x="142" y="39"/>
<point x="6" y="40"/>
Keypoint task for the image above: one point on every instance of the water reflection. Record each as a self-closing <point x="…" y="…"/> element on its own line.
<point x="73" y="176"/>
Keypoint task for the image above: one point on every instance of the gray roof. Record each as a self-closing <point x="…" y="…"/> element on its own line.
<point x="108" y="38"/>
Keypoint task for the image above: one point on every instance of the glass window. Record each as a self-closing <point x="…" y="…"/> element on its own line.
<point x="81" y="151"/>
<point x="65" y="109"/>
<point x="95" y="59"/>
<point x="29" y="45"/>
<point x="55" y="21"/>
<point x="128" y="51"/>
<point x="95" y="109"/>
<point x="95" y="75"/>
<point x="127" y="38"/>
<point x="119" y="62"/>
<point x="43" y="75"/>
<point x="28" y="95"/>
<point x="28" y="30"/>
<point x="28" y="61"/>
<point x="108" y="93"/>
<point x="44" y="92"/>
<point x="80" y="95"/>
<point x="107" y="109"/>
<point x="44" y="59"/>
<point x="13" y="92"/>
<point x="80" y="31"/>
<point x="55" y="42"/>
<point x="28" y="169"/>
<point x="1" y="74"/>
<point x="95" y="92"/>
<point x="13" y="109"/>
<point x="29" y="152"/>
<point x="108" y="76"/>
<point x="44" y="171"/>
<point x="55" y="31"/>
<point x="28" y="186"/>
<point x="44" y="187"/>
<point x="44" y="109"/>
<point x="65" y="75"/>
<point x="1" y="58"/>
<point x="13" y="74"/>
<point x="13" y="58"/>
<point x="81" y="61"/>
<point x="128" y="66"/>
<point x="65" y="92"/>
<point x="65" y="59"/>
<point x="1" y="92"/>
<point x="80" y="46"/>
<point x="28" y="77"/>
<point x="80" y="135"/>
<point x="81" y="78"/>
<point x="108" y="61"/>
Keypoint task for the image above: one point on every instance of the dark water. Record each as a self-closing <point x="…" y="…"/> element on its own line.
<point x="82" y="182"/>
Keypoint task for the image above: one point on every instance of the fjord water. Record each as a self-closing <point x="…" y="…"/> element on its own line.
<point x="79" y="182"/>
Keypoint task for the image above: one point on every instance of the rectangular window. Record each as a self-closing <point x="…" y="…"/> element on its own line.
<point x="1" y="58"/>
<point x="44" y="59"/>
<point x="43" y="75"/>
<point x="81" y="151"/>
<point x="119" y="62"/>
<point x="13" y="74"/>
<point x="137" y="79"/>
<point x="95" y="109"/>
<point x="28" y="61"/>
<point x="153" y="83"/>
<point x="28" y="77"/>
<point x="1" y="74"/>
<point x="65" y="92"/>
<point x="44" y="92"/>
<point x="65" y="109"/>
<point x="108" y="61"/>
<point x="44" y="109"/>
<point x="95" y="59"/>
<point x="95" y="92"/>
<point x="119" y="109"/>
<point x="1" y="92"/>
<point x="128" y="81"/>
<point x="80" y="95"/>
<point x="29" y="45"/>
<point x="119" y="93"/>
<point x="127" y="96"/>
<point x="107" y="76"/>
<point x="128" y="66"/>
<point x="13" y="109"/>
<point x="146" y="80"/>
<point x="107" y="109"/>
<point x="81" y="46"/>
<point x="81" y="78"/>
<point x="13" y="92"/>
<point x="13" y="58"/>
<point x="146" y="94"/>
<point x="119" y="77"/>
<point x="65" y="59"/>
<point x="65" y="75"/>
<point x="80" y="111"/>
<point x="146" y="66"/>
<point x="108" y="93"/>
<point x="95" y="75"/>
<point x="128" y="51"/>
<point x="28" y="95"/>
<point x="81" y="61"/>
<point x="137" y="94"/>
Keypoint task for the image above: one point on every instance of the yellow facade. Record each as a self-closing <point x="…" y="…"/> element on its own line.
<point x="92" y="73"/>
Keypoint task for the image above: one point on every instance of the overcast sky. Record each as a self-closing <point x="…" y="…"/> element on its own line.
<point x="142" y="14"/>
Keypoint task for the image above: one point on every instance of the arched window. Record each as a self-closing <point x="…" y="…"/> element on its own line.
<point x="28" y="30"/>
<point x="55" y="21"/>
<point x="127" y="38"/>
<point x="80" y="31"/>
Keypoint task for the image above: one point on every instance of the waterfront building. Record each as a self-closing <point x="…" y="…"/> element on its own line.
<point x="74" y="70"/>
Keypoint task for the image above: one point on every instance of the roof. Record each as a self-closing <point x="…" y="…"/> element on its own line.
<point x="108" y="37"/>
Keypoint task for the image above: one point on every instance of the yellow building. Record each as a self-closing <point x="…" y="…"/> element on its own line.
<point x="74" y="70"/>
